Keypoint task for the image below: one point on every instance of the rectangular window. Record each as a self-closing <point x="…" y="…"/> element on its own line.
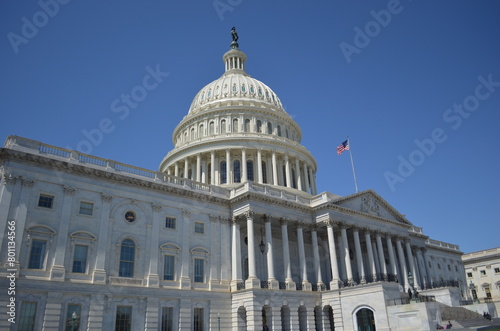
<point x="497" y="270"/>
<point x="37" y="255"/>
<point x="86" y="208"/>
<point x="469" y="274"/>
<point x="27" y="316"/>
<point x="199" y="227"/>
<point x="483" y="272"/>
<point x="198" y="319"/>
<point x="170" y="223"/>
<point x="199" y="270"/>
<point x="73" y="315"/>
<point x="45" y="201"/>
<point x="80" y="259"/>
<point x="168" y="267"/>
<point x="167" y="319"/>
<point x="123" y="318"/>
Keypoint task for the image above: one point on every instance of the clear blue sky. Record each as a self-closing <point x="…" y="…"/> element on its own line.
<point x="385" y="73"/>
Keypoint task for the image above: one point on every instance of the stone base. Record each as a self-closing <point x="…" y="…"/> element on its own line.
<point x="99" y="276"/>
<point x="306" y="286"/>
<point x="153" y="280"/>
<point x="290" y="285"/>
<point x="251" y="283"/>
<point x="273" y="284"/>
<point x="185" y="283"/>
<point x="58" y="273"/>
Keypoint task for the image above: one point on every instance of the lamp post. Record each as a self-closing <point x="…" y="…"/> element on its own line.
<point x="75" y="323"/>
<point x="411" y="289"/>
<point x="473" y="292"/>
<point x="262" y="246"/>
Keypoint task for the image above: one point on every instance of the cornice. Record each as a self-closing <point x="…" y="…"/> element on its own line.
<point x="253" y="196"/>
<point x="80" y="169"/>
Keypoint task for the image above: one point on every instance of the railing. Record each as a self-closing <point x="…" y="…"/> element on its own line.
<point x="442" y="244"/>
<point x="240" y="285"/>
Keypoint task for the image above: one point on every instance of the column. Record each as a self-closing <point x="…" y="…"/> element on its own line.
<point x="275" y="169"/>
<point x="341" y="252"/>
<point x="286" y="252"/>
<point x="381" y="257"/>
<point x="423" y="271"/>
<point x="198" y="168"/>
<point x="99" y="275"/>
<point x="316" y="261"/>
<point x="153" y="278"/>
<point x="287" y="172"/>
<point x="212" y="168"/>
<point x="347" y="259"/>
<point x="402" y="262"/>
<point x="259" y="166"/>
<point x="229" y="168"/>
<point x="306" y="179"/>
<point x="302" y="257"/>
<point x="58" y="271"/>
<point x="299" y="175"/>
<point x="216" y="236"/>
<point x="252" y="281"/>
<point x="412" y="265"/>
<point x="236" y="253"/>
<point x="312" y="183"/>
<point x="359" y="256"/>
<point x="244" y="174"/>
<point x="8" y="183"/>
<point x="392" y="259"/>
<point x="185" y="280"/>
<point x="369" y="250"/>
<point x="427" y="269"/>
<point x="186" y="168"/>
<point x="225" y="251"/>
<point x="204" y="171"/>
<point x="176" y="169"/>
<point x="334" y="284"/>
<point x="271" y="278"/>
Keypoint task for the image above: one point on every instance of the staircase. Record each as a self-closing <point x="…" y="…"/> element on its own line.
<point x="457" y="313"/>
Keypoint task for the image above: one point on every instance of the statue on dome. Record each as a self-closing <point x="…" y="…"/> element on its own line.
<point x="234" y="34"/>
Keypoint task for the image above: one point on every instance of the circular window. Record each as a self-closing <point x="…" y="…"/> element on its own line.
<point x="130" y="216"/>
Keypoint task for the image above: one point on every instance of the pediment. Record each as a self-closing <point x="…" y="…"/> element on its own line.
<point x="370" y="203"/>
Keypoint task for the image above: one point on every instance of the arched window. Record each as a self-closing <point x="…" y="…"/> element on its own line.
<point x="223" y="172"/>
<point x="211" y="128"/>
<point x="269" y="128"/>
<point x="192" y="133"/>
<point x="259" y="126"/>
<point x="201" y="130"/>
<point x="264" y="172"/>
<point x="223" y="126"/>
<point x="185" y="136"/>
<point x="247" y="125"/>
<point x="249" y="170"/>
<point x="294" y="182"/>
<point x="235" y="125"/>
<point x="237" y="171"/>
<point x="127" y="258"/>
<point x="286" y="133"/>
<point x="365" y="319"/>
<point x="279" y="130"/>
<point x="190" y="173"/>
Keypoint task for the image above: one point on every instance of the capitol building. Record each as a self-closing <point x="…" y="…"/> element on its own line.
<point x="230" y="233"/>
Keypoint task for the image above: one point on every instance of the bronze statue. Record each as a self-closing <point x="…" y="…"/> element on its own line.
<point x="234" y="34"/>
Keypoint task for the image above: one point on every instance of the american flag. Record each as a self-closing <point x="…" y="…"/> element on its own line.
<point x="343" y="147"/>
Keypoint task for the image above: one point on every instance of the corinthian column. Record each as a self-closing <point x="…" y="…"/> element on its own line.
<point x="359" y="256"/>
<point x="333" y="254"/>
<point x="286" y="251"/>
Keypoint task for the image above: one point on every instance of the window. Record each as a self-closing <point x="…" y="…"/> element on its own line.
<point x="456" y="268"/>
<point x="469" y="274"/>
<point x="250" y="170"/>
<point x="192" y="133"/>
<point x="123" y="318"/>
<point x="201" y="131"/>
<point x="73" y="315"/>
<point x="269" y="128"/>
<point x="86" y="208"/>
<point x="449" y="267"/>
<point x="127" y="257"/>
<point x="223" y="126"/>
<point x="198" y="319"/>
<point x="483" y="272"/>
<point x="130" y="216"/>
<point x="247" y="125"/>
<point x="170" y="223"/>
<point x="199" y="227"/>
<point x="27" y="316"/>
<point x="167" y="319"/>
<point x="259" y="126"/>
<point x="211" y="129"/>
<point x="37" y="255"/>
<point x="209" y="173"/>
<point x="235" y="125"/>
<point x="223" y="173"/>
<point x="168" y="267"/>
<point x="80" y="259"/>
<point x="45" y="201"/>
<point x="199" y="270"/>
<point x="279" y="130"/>
<point x="237" y="171"/>
<point x="497" y="270"/>
<point x="284" y="175"/>
<point x="264" y="172"/>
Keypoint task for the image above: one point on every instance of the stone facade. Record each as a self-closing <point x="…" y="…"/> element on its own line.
<point x="230" y="233"/>
<point x="482" y="269"/>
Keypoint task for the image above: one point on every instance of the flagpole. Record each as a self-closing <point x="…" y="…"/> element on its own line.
<point x="352" y="165"/>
